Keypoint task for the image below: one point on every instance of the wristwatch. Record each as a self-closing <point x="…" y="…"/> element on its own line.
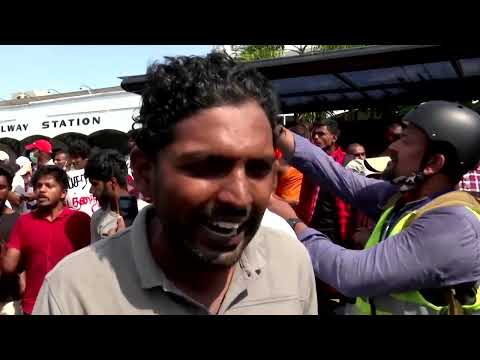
<point x="293" y="222"/>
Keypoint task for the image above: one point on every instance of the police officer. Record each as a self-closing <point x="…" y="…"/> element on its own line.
<point x="423" y="257"/>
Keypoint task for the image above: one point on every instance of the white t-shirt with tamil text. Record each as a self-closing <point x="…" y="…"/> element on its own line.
<point x="78" y="195"/>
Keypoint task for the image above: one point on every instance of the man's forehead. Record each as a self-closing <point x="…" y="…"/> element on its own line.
<point x="225" y="128"/>
<point x="395" y="128"/>
<point x="320" y="128"/>
<point x="201" y="149"/>
<point x="47" y="178"/>
<point x="413" y="130"/>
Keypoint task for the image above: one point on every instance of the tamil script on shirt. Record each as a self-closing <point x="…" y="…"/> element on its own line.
<point x="78" y="195"/>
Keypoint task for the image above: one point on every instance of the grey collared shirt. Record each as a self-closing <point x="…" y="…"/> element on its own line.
<point x="118" y="275"/>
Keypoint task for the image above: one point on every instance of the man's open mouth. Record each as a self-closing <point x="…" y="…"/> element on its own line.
<point x="223" y="228"/>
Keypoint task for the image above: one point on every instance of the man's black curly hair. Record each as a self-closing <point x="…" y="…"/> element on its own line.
<point x="6" y="171"/>
<point x="54" y="171"/>
<point x="79" y="148"/>
<point x="184" y="85"/>
<point x="105" y="164"/>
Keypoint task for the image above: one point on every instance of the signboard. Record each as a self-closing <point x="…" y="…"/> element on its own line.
<point x="84" y="124"/>
<point x="86" y="121"/>
<point x="81" y="115"/>
<point x="24" y="129"/>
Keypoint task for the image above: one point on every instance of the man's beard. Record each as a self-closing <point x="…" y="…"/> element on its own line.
<point x="389" y="173"/>
<point x="47" y="206"/>
<point x="180" y="238"/>
<point x="104" y="201"/>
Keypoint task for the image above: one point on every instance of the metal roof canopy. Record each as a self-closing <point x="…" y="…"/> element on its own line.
<point x="369" y="76"/>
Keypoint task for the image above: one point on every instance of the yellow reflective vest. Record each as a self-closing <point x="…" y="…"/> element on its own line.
<point x="412" y="302"/>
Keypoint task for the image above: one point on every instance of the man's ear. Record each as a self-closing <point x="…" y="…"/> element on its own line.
<point x="145" y="170"/>
<point x="434" y="164"/>
<point x="114" y="183"/>
<point x="148" y="175"/>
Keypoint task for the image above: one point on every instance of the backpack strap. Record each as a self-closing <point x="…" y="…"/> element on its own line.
<point x="454" y="306"/>
<point x="453" y="198"/>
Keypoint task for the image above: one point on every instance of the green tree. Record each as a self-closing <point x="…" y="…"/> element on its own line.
<point x="260" y="52"/>
<point x="257" y="52"/>
<point x="309" y="118"/>
<point x="304" y="49"/>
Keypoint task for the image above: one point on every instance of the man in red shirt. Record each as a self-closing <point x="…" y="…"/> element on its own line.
<point x="40" y="239"/>
<point x="320" y="209"/>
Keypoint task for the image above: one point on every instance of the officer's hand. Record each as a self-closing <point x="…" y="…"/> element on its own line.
<point x="285" y="141"/>
<point x="281" y="207"/>
<point x="29" y="196"/>
<point x="120" y="223"/>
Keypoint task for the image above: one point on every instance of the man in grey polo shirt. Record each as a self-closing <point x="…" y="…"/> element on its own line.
<point x="207" y="130"/>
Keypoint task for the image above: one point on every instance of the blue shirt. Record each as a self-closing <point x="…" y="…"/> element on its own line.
<point x="441" y="248"/>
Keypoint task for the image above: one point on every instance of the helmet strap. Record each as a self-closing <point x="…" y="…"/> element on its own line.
<point x="409" y="183"/>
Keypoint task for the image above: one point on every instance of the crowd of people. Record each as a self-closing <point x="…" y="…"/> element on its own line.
<point x="218" y="209"/>
<point x="54" y="202"/>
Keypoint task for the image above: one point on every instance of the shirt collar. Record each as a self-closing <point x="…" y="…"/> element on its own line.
<point x="424" y="200"/>
<point x="151" y="275"/>
<point x="66" y="211"/>
<point x="337" y="153"/>
<point x="148" y="270"/>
